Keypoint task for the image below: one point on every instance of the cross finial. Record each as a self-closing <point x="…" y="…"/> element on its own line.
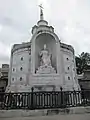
<point x="41" y="7"/>
<point x="41" y="12"/>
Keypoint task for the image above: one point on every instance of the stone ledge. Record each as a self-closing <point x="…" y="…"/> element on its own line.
<point x="46" y="112"/>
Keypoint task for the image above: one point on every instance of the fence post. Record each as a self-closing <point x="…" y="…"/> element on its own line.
<point x="83" y="97"/>
<point x="32" y="103"/>
<point x="61" y="96"/>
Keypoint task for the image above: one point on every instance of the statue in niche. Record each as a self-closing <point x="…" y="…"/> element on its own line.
<point x="45" y="62"/>
<point x="45" y="57"/>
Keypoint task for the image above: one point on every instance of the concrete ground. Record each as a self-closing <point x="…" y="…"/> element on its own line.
<point x="53" y="117"/>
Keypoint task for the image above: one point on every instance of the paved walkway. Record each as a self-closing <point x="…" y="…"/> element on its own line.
<point x="53" y="117"/>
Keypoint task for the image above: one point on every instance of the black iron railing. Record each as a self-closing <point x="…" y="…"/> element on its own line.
<point x="44" y="99"/>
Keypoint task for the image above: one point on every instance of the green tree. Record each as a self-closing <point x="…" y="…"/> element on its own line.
<point x="82" y="62"/>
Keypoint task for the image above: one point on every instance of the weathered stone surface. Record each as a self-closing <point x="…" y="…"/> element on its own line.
<point x="47" y="112"/>
<point x="53" y="117"/>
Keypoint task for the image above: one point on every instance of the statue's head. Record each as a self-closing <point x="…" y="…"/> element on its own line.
<point x="44" y="46"/>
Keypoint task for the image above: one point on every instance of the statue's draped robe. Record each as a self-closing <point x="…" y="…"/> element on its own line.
<point x="45" y="58"/>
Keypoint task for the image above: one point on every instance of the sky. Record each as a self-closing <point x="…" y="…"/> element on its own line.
<point x="70" y="18"/>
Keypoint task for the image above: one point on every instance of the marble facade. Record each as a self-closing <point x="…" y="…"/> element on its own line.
<point x="44" y="63"/>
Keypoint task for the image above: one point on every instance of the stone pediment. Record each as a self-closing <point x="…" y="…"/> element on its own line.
<point x="46" y="70"/>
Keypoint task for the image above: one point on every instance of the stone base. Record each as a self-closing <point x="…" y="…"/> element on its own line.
<point x="18" y="88"/>
<point x="46" y="70"/>
<point x="45" y="82"/>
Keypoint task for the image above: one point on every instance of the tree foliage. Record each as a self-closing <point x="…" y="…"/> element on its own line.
<point x="82" y="62"/>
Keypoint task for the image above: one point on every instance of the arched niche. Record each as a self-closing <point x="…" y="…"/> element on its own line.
<point x="50" y="42"/>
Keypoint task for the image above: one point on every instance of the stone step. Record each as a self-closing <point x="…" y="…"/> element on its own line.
<point x="54" y="117"/>
<point x="47" y="112"/>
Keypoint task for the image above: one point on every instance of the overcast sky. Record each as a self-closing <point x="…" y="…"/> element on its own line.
<point x="70" y="18"/>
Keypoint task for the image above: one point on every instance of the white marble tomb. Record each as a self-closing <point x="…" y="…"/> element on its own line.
<point x="44" y="63"/>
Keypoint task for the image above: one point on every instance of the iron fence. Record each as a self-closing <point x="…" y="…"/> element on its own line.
<point x="44" y="99"/>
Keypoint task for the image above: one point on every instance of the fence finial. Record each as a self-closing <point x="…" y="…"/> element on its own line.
<point x="32" y="89"/>
<point x="61" y="88"/>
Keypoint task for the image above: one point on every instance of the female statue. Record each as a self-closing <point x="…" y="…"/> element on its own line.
<point x="45" y="57"/>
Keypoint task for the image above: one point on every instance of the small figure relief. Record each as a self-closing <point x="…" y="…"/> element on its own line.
<point x="45" y="57"/>
<point x="45" y="62"/>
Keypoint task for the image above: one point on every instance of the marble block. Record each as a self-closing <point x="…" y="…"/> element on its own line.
<point x="46" y="70"/>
